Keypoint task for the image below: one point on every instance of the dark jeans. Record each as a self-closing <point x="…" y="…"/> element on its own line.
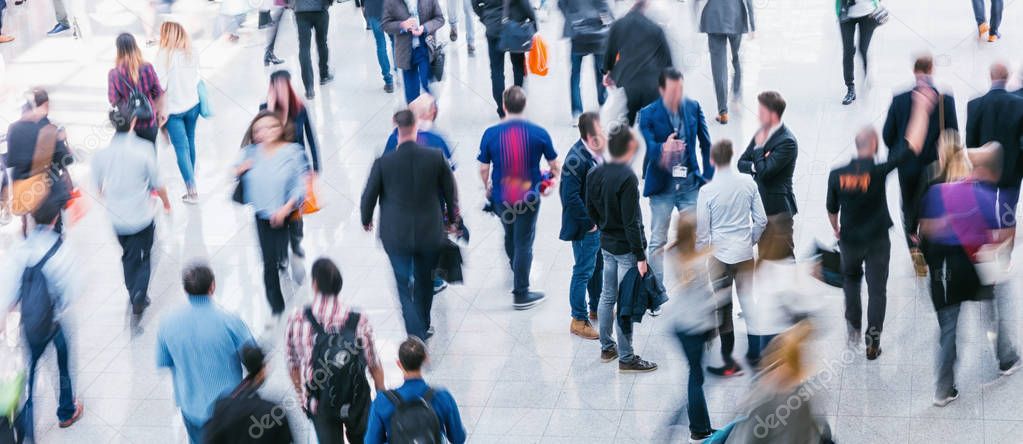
<point x="848" y="30"/>
<point x="587" y="274"/>
<point x="756" y="346"/>
<point x="135" y="260"/>
<point x="776" y="242"/>
<point x="519" y="223"/>
<point x="693" y="347"/>
<point x="307" y="22"/>
<point x="417" y="77"/>
<point x="296" y="231"/>
<point x="598" y="74"/>
<point x="414" y="276"/>
<point x="66" y="398"/>
<point x="275" y="15"/>
<point x="996" y="13"/>
<point x="194" y="430"/>
<point x="875" y="254"/>
<point x="148" y="134"/>
<point x="518" y="62"/>
<point x="330" y="430"/>
<point x="637" y="98"/>
<point x="273" y="244"/>
<point x="722" y="276"/>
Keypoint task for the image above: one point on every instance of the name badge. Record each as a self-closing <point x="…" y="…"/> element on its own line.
<point x="679" y="171"/>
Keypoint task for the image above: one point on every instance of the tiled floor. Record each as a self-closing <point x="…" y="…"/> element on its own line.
<point x="519" y="377"/>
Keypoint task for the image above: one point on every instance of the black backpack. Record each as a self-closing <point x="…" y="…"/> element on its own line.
<point x="339" y="381"/>
<point x="140" y="105"/>
<point x="413" y="421"/>
<point x="38" y="311"/>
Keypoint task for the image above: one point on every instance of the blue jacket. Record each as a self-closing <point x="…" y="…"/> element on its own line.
<point x="636" y="295"/>
<point x="655" y="124"/>
<point x="378" y="426"/>
<point x="575" y="223"/>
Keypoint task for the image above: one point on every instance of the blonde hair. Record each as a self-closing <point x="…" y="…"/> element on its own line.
<point x="173" y="37"/>
<point x="129" y="56"/>
<point x="684" y="245"/>
<point x="953" y="164"/>
<point x="785" y="357"/>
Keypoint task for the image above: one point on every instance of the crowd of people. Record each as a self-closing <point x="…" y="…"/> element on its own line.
<point x="719" y="221"/>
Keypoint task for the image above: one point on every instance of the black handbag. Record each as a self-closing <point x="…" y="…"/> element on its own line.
<point x="590" y="34"/>
<point x="449" y="263"/>
<point x="516" y="37"/>
<point x="880" y="15"/>
<point x="239" y="190"/>
<point x="437" y="58"/>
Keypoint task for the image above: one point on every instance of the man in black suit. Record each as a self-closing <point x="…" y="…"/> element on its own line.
<point x="405" y="182"/>
<point x="577" y="227"/>
<point x="998" y="116"/>
<point x="911" y="170"/>
<point x="771" y="158"/>
<point x="637" y="53"/>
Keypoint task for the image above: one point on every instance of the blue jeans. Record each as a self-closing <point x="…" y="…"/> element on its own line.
<point x="661" y="207"/>
<point x="181" y="129"/>
<point x="693" y="347"/>
<point x="757" y="345"/>
<point x="996" y="13"/>
<point x="615" y="267"/>
<point x="381" y="42"/>
<point x="519" y="222"/>
<point x="598" y="74"/>
<point x="418" y="74"/>
<point x="194" y="430"/>
<point x="66" y="399"/>
<point x="585" y="275"/>
<point x="414" y="276"/>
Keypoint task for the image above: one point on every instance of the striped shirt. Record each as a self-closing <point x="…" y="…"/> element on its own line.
<point x="515" y="147"/>
<point x="331" y="314"/>
<point x="200" y="344"/>
<point x="119" y="86"/>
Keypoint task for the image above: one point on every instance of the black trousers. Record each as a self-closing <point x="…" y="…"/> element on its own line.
<point x="296" y="232"/>
<point x="875" y="254"/>
<point x="135" y="260"/>
<point x="307" y="22"/>
<point x="637" y="98"/>
<point x="273" y="244"/>
<point x="518" y="62"/>
<point x="275" y="17"/>
<point x="848" y="29"/>
<point x="329" y="430"/>
<point x="910" y="184"/>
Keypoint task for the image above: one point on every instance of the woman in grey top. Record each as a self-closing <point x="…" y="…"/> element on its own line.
<point x="272" y="173"/>
<point x="695" y="319"/>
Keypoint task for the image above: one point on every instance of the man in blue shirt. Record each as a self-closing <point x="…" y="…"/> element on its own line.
<point x="425" y="110"/>
<point x="411" y="357"/>
<point x="671" y="127"/>
<point x="201" y="345"/>
<point x="510" y="155"/>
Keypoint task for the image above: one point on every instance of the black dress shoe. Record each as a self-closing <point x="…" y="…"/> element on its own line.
<point x="850" y="96"/>
<point x="326" y="79"/>
<point x="269" y="58"/>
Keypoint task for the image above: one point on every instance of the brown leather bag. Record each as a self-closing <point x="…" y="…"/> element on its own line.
<point x="29" y="193"/>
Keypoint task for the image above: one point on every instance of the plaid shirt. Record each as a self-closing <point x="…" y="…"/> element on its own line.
<point x="331" y="314"/>
<point x="118" y="88"/>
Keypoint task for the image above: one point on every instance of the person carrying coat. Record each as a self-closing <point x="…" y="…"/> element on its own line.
<point x="725" y="21"/>
<point x="410" y="22"/>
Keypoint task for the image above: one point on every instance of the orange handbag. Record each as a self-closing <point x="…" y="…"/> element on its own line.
<point x="538" y="56"/>
<point x="311" y="204"/>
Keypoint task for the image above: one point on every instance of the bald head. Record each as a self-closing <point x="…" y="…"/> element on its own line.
<point x="424" y="107"/>
<point x="999" y="72"/>
<point x="866" y="142"/>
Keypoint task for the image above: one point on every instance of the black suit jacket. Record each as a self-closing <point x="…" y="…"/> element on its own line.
<point x="894" y="131"/>
<point x="998" y="116"/>
<point x="772" y="167"/>
<point x="575" y="223"/>
<point x="637" y="52"/>
<point x="405" y="181"/>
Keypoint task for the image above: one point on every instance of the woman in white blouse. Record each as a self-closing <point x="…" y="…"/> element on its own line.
<point x="178" y="70"/>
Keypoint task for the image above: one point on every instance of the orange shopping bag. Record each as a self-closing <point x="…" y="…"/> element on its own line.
<point x="311" y="204"/>
<point x="538" y="56"/>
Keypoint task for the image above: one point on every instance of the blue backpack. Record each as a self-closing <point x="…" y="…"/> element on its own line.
<point x="38" y="311"/>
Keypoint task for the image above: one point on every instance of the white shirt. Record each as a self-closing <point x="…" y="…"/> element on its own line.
<point x="729" y="216"/>
<point x="179" y="77"/>
<point x="862" y="8"/>
<point x="597" y="157"/>
<point x="125" y="173"/>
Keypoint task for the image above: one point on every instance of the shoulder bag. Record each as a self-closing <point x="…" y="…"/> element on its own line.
<point x="29" y="193"/>
<point x="516" y="37"/>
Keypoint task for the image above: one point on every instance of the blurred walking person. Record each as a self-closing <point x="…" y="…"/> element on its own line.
<point x="312" y="15"/>
<point x="468" y="17"/>
<point x="177" y="69"/>
<point x="587" y="25"/>
<point x="410" y="24"/>
<point x="724" y="22"/>
<point x="373" y="10"/>
<point x="132" y="77"/>
<point x="853" y="15"/>
<point x="274" y="15"/>
<point x="637" y="53"/>
<point x="232" y="420"/>
<point x="985" y="27"/>
<point x="494" y="14"/>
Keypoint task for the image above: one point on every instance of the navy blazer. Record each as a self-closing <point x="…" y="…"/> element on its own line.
<point x="655" y="125"/>
<point x="575" y="223"/>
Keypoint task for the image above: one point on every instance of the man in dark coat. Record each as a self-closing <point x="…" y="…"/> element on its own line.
<point x="771" y="159"/>
<point x="405" y="182"/>
<point x="998" y="116"/>
<point x="637" y="53"/>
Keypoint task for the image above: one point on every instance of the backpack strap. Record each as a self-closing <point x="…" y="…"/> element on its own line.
<point x="351" y="325"/>
<point x="312" y="320"/>
<point x="392" y="395"/>
<point x="46" y="257"/>
<point x="428" y="396"/>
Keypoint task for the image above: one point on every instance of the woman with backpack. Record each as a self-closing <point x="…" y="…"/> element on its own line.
<point x="178" y="69"/>
<point x="134" y="80"/>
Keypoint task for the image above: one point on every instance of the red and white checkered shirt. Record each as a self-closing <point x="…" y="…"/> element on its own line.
<point x="331" y="314"/>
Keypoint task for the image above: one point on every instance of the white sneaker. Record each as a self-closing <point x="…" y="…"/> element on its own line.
<point x="941" y="402"/>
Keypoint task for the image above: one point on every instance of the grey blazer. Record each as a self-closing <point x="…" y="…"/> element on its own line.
<point x="395" y="12"/>
<point x="727" y="17"/>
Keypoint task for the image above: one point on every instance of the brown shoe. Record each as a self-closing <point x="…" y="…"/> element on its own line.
<point x="722" y="118"/>
<point x="6" y="38"/>
<point x="79" y="411"/>
<point x="609" y="355"/>
<point x="593" y="316"/>
<point x="982" y="29"/>
<point x="919" y="263"/>
<point x="583" y="329"/>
